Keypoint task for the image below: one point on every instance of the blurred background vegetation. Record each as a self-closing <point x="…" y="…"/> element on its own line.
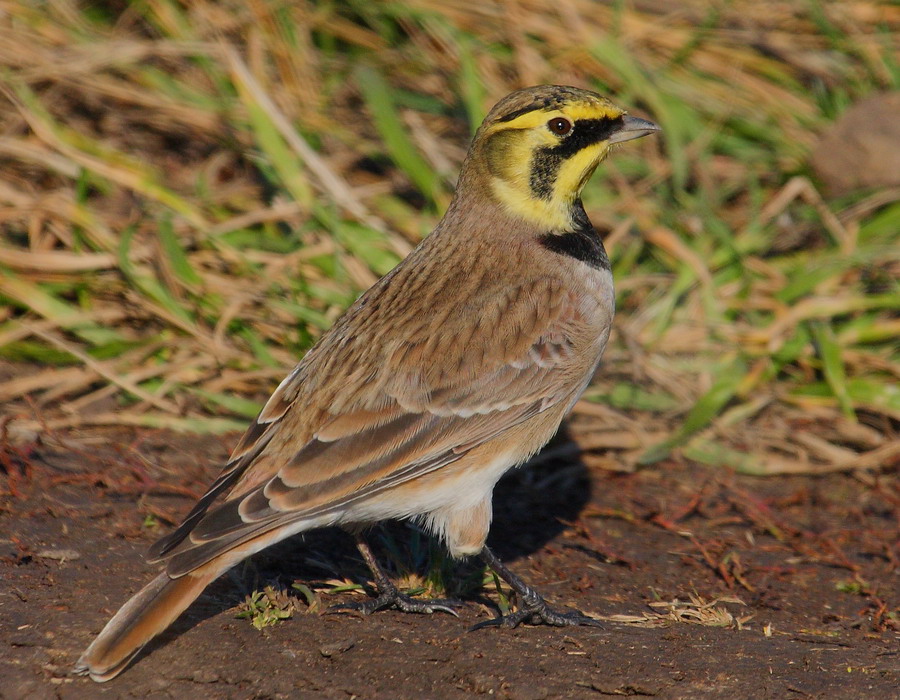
<point x="192" y="192"/>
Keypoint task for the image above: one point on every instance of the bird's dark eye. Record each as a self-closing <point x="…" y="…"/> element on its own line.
<point x="559" y="126"/>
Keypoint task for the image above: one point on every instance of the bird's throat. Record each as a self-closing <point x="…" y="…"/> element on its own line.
<point x="581" y="241"/>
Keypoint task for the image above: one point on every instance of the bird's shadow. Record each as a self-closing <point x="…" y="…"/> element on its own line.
<point x="532" y="505"/>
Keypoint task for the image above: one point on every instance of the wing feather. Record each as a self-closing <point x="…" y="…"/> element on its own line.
<point x="388" y="414"/>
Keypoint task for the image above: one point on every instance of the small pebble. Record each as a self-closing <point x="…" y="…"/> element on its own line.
<point x="329" y="650"/>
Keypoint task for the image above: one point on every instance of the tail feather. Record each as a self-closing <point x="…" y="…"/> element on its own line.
<point x="156" y="606"/>
<point x="143" y="617"/>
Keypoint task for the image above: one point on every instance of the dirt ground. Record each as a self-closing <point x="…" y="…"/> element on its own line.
<point x="713" y="585"/>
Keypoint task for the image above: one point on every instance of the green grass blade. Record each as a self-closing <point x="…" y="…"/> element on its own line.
<point x="832" y="364"/>
<point x="171" y="246"/>
<point x="629" y="396"/>
<point x="286" y="167"/>
<point x="729" y="377"/>
<point x="232" y="404"/>
<point x="471" y="87"/>
<point x="389" y="123"/>
<point x="148" y="286"/>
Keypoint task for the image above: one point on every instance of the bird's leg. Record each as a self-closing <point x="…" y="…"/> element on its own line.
<point x="389" y="596"/>
<point x="532" y="606"/>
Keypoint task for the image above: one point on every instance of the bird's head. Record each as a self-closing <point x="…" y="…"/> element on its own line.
<point x="538" y="146"/>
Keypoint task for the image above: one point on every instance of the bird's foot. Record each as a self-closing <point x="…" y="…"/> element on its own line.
<point x="393" y="598"/>
<point x="535" y="611"/>
<point x="389" y="596"/>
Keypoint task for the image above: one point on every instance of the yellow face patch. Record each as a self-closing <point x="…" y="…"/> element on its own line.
<point x="538" y="173"/>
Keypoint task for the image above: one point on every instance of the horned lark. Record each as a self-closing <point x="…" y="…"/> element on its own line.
<point x="454" y="367"/>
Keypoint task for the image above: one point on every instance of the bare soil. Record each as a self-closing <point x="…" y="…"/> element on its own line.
<point x="787" y="587"/>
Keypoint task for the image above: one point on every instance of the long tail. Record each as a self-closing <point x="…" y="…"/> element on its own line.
<point x="143" y="617"/>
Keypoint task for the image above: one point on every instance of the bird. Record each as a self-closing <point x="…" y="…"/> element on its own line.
<point x="455" y="367"/>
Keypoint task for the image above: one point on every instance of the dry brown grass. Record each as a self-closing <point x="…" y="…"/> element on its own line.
<point x="192" y="192"/>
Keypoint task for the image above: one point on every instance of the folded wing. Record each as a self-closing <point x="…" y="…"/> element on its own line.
<point x="416" y="405"/>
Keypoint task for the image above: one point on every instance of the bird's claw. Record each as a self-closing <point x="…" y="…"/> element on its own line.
<point x="537" y="612"/>
<point x="400" y="601"/>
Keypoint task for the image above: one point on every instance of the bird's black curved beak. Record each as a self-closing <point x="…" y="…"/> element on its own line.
<point x="633" y="128"/>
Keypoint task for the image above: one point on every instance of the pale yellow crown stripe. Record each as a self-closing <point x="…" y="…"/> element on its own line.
<point x="574" y="112"/>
